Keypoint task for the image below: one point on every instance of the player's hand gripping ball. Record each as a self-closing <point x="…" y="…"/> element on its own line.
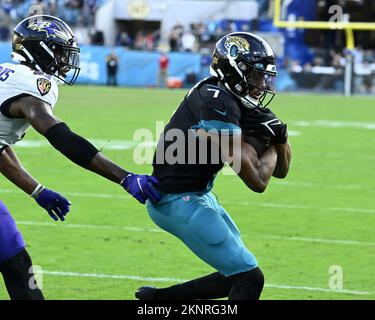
<point x="261" y="128"/>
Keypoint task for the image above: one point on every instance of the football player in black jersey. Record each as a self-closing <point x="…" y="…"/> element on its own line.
<point x="223" y="114"/>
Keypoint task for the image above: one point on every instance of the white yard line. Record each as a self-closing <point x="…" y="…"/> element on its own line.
<point x="109" y="276"/>
<point x="332" y="241"/>
<point x="78" y="194"/>
<point x="108" y="144"/>
<point x="293" y="206"/>
<point x="138" y="278"/>
<point x="299" y="206"/>
<point x="138" y="229"/>
<point x="336" y="124"/>
<point x="265" y="204"/>
<point x="85" y="226"/>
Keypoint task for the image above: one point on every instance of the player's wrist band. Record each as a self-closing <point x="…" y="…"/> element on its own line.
<point x="37" y="191"/>
<point x="124" y="178"/>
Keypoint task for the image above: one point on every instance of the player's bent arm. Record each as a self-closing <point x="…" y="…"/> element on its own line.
<point x="255" y="172"/>
<point x="13" y="170"/>
<point x="71" y="145"/>
<point x="284" y="154"/>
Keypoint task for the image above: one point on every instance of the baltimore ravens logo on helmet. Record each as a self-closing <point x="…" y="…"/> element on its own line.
<point x="237" y="45"/>
<point x="51" y="29"/>
<point x="47" y="44"/>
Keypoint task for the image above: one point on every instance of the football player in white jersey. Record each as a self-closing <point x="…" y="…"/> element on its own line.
<point x="47" y="53"/>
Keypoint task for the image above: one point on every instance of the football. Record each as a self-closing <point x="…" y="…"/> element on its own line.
<point x="260" y="143"/>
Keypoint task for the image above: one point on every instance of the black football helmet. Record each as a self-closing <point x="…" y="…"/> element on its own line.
<point x="47" y="44"/>
<point x="245" y="64"/>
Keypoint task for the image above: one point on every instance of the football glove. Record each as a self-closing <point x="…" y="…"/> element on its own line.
<point x="141" y="187"/>
<point x="262" y="122"/>
<point x="56" y="205"/>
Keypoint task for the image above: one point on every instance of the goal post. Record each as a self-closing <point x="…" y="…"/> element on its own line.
<point x="347" y="26"/>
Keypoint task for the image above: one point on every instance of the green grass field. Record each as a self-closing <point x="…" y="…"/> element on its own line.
<point x="322" y="215"/>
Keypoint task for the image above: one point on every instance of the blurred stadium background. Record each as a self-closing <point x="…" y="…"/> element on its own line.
<point x="139" y="31"/>
<point x="306" y="231"/>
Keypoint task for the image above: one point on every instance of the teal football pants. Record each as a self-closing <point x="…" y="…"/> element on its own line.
<point x="206" y="228"/>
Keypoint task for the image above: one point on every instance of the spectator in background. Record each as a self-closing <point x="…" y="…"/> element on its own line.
<point x="112" y="68"/>
<point x="42" y="5"/>
<point x="73" y="10"/>
<point x="163" y="70"/>
<point x="140" y="41"/>
<point x="263" y="8"/>
<point x="52" y="7"/>
<point x="124" y="40"/>
<point x="284" y="80"/>
<point x="8" y="7"/>
<point x="81" y="34"/>
<point x="212" y="27"/>
<point x="89" y="10"/>
<point x="338" y="62"/>
<point x="368" y="56"/>
<point x="295" y="66"/>
<point x="363" y="81"/>
<point x="174" y="40"/>
<point x="97" y="37"/>
<point x="5" y="23"/>
<point x="149" y="41"/>
<point x="188" y="42"/>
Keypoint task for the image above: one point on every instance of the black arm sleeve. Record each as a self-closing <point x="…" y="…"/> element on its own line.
<point x="71" y="145"/>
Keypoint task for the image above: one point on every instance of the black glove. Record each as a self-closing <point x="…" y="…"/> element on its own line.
<point x="262" y="122"/>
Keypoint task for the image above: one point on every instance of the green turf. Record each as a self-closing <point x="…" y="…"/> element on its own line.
<point x="328" y="195"/>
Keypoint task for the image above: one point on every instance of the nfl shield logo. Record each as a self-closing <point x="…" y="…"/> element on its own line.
<point x="44" y="86"/>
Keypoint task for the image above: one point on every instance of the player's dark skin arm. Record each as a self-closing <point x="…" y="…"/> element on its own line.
<point x="255" y="172"/>
<point x="13" y="170"/>
<point x="284" y="154"/>
<point x="41" y="118"/>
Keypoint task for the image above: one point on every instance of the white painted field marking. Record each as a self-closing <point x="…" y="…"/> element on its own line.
<point x="108" y="144"/>
<point x="138" y="278"/>
<point x="111" y="276"/>
<point x="318" y="289"/>
<point x="138" y="229"/>
<point x="79" y="194"/>
<point x="292" y="206"/>
<point x="86" y="226"/>
<point x="299" y="206"/>
<point x="336" y="124"/>
<point x="333" y="241"/>
<point x="318" y="185"/>
<point x="244" y="203"/>
<point x="100" y="143"/>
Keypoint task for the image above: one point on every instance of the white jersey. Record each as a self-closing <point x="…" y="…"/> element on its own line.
<point x="17" y="80"/>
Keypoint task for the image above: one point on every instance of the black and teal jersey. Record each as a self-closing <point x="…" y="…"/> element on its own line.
<point x="183" y="162"/>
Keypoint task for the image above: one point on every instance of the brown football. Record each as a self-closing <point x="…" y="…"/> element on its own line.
<point x="260" y="144"/>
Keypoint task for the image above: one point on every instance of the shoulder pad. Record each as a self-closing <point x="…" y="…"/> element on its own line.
<point x="35" y="83"/>
<point x="212" y="94"/>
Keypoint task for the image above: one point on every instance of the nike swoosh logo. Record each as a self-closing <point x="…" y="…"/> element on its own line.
<point x="223" y="113"/>
<point x="139" y="184"/>
<point x="273" y="122"/>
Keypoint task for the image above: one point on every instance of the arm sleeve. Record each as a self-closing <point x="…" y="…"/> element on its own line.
<point x="71" y="145"/>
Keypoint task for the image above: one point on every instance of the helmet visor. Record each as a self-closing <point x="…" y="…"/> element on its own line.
<point x="261" y="80"/>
